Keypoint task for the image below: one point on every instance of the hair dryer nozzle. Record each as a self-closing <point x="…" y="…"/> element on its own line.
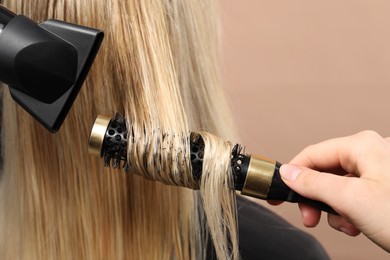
<point x="45" y="64"/>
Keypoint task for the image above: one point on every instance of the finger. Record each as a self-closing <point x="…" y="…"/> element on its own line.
<point x="274" y="202"/>
<point x="340" y="224"/>
<point x="310" y="216"/>
<point x="324" y="155"/>
<point x="350" y="153"/>
<point x="316" y="185"/>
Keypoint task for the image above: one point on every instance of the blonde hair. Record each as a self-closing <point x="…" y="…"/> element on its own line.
<point x="157" y="65"/>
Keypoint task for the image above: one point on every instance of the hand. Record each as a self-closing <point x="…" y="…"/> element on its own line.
<point x="358" y="188"/>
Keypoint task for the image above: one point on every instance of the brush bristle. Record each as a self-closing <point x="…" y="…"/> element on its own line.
<point x="115" y="142"/>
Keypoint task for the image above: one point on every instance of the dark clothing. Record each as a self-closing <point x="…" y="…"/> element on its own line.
<point x="266" y="236"/>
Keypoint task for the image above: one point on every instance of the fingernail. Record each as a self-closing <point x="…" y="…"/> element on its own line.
<point x="345" y="231"/>
<point x="289" y="172"/>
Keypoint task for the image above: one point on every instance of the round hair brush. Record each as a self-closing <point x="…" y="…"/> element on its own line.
<point x="253" y="175"/>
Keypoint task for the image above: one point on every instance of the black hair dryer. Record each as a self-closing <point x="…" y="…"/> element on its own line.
<point x="45" y="64"/>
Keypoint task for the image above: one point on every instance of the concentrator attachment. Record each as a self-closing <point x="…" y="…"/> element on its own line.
<point x="45" y="64"/>
<point x="253" y="175"/>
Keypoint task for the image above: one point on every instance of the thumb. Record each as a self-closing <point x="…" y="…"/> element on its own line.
<point x="312" y="184"/>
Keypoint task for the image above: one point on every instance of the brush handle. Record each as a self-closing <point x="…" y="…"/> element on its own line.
<point x="280" y="191"/>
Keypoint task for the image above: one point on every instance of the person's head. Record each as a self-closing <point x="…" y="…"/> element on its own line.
<point x="157" y="66"/>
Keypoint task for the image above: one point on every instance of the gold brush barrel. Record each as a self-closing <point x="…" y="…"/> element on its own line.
<point x="98" y="133"/>
<point x="259" y="177"/>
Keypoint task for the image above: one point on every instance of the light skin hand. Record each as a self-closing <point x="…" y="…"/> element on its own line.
<point x="350" y="174"/>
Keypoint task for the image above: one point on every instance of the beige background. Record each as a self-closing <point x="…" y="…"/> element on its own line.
<point x="299" y="72"/>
